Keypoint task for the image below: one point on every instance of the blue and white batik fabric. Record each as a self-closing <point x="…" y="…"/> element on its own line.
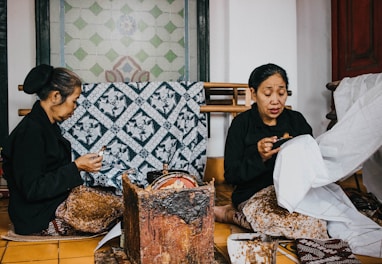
<point x="143" y="126"/>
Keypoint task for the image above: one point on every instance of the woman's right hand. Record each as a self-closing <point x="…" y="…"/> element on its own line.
<point x="91" y="162"/>
<point x="265" y="145"/>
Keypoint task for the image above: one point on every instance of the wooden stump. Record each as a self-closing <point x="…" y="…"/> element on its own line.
<point x="170" y="225"/>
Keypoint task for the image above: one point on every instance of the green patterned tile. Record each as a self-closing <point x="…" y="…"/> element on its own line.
<point x="96" y="39"/>
<point x="181" y="13"/>
<point x="80" y="23"/>
<point x="170" y="27"/>
<point x="96" y="69"/>
<point x="142" y="25"/>
<point x="67" y="7"/>
<point x="80" y="54"/>
<point x="156" y="70"/>
<point x="156" y="41"/>
<point x="112" y="55"/>
<point x="156" y="12"/>
<point x="126" y="41"/>
<point x="95" y="8"/>
<point x="112" y="29"/>
<point x="110" y="24"/>
<point x="126" y="9"/>
<point x="170" y="56"/>
<point x="68" y="38"/>
<point x="141" y="55"/>
<point x="181" y="42"/>
<point x="181" y="71"/>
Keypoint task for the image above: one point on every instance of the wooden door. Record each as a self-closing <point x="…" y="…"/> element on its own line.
<point x="356" y="37"/>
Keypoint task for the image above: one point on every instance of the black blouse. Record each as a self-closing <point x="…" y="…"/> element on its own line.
<point x="243" y="165"/>
<point x="39" y="171"/>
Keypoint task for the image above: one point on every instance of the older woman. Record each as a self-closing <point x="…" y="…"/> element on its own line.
<point x="253" y="138"/>
<point x="37" y="159"/>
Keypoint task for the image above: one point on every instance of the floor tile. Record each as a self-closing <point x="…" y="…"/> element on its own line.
<point x="83" y="260"/>
<point x="5" y="223"/>
<point x="3" y="206"/>
<point x="2" y="250"/>
<point x="31" y="253"/>
<point x="282" y="259"/>
<point x="52" y="261"/>
<point x="222" y="231"/>
<point x="77" y="249"/>
<point x="22" y="243"/>
<point x="3" y="243"/>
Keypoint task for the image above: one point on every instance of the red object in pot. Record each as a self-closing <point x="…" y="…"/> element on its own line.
<point x="174" y="180"/>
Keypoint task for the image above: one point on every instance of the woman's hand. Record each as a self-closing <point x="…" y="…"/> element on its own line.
<point x="264" y="146"/>
<point x="89" y="162"/>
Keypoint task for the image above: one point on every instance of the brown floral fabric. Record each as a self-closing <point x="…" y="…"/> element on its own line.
<point x="91" y="210"/>
<point x="266" y="216"/>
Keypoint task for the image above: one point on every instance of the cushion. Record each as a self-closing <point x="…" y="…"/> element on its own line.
<point x="266" y="216"/>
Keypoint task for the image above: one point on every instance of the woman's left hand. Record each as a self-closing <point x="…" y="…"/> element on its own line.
<point x="265" y="145"/>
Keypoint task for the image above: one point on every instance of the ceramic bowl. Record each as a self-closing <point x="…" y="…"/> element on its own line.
<point x="248" y="248"/>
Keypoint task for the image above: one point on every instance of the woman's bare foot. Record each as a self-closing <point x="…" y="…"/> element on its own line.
<point x="224" y="214"/>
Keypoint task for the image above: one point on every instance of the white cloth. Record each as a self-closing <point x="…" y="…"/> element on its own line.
<point x="363" y="93"/>
<point x="302" y="184"/>
<point x="357" y="135"/>
<point x="306" y="169"/>
<point x="372" y="173"/>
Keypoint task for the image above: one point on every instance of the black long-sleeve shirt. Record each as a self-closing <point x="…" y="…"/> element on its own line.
<point x="39" y="171"/>
<point x="243" y="165"/>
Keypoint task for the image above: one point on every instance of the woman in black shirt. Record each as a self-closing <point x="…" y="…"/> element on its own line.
<point x="37" y="163"/>
<point x="252" y="140"/>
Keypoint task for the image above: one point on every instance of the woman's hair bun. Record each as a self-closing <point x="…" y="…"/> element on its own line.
<point x="37" y="78"/>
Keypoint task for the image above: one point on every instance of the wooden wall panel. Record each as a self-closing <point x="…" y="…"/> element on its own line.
<point x="356" y="37"/>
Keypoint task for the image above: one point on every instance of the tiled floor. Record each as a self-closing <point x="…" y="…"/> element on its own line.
<point x="51" y="252"/>
<point x="82" y="251"/>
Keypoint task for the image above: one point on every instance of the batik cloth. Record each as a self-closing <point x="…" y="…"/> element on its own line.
<point x="143" y="126"/>
<point x="330" y="251"/>
<point x="267" y="217"/>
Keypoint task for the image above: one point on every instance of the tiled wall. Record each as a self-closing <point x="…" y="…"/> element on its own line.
<point x="119" y="40"/>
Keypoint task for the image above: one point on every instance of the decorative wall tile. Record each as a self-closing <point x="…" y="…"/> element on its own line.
<point x="135" y="40"/>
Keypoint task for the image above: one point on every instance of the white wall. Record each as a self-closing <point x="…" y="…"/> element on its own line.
<point x="263" y="31"/>
<point x="243" y="35"/>
<point x="21" y="54"/>
<point x="314" y="61"/>
<point x="293" y="34"/>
